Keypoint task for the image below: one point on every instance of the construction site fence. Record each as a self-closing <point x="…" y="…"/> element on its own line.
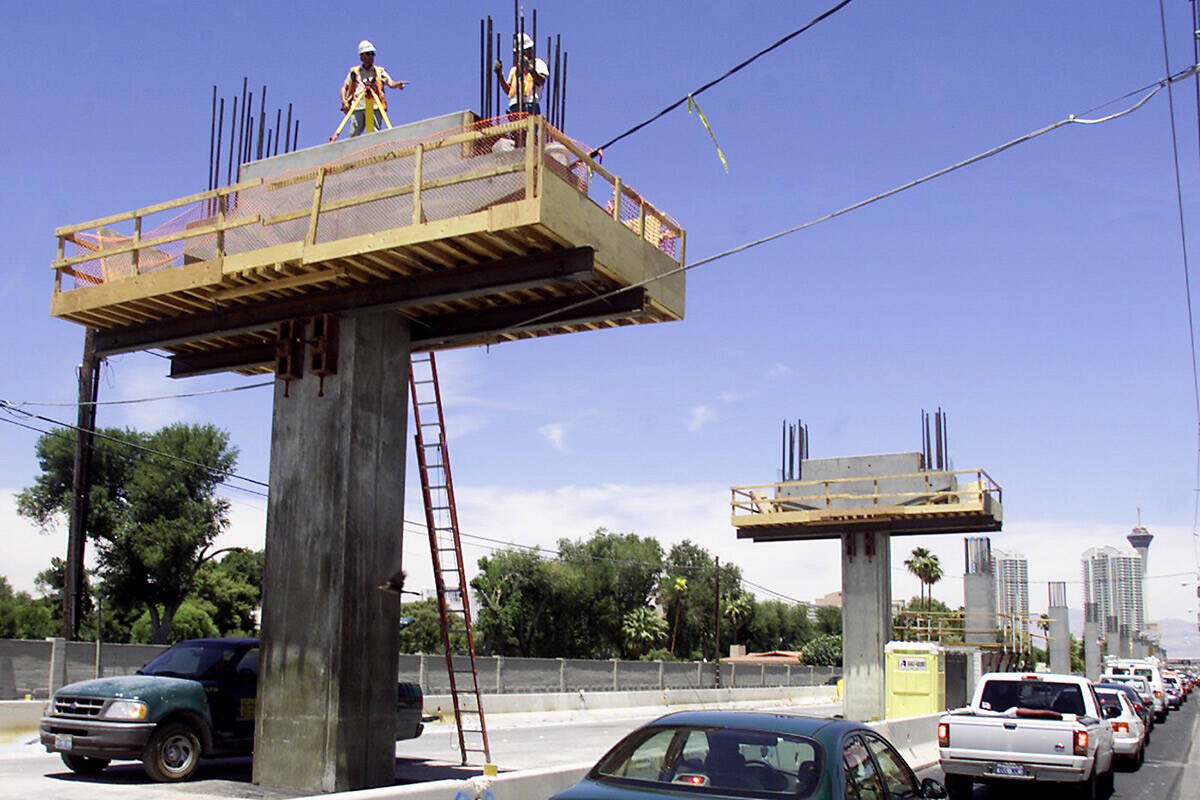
<point x="513" y="675"/>
<point x="381" y="187"/>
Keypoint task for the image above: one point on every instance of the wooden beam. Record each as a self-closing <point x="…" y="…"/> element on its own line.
<point x="559" y="266"/>
<point x="439" y="332"/>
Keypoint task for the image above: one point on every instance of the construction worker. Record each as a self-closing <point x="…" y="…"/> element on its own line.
<point x="535" y="73"/>
<point x="362" y="79"/>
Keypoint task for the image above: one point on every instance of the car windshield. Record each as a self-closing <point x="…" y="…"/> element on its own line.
<point x="689" y="758"/>
<point x="193" y="660"/>
<point x="1032" y="695"/>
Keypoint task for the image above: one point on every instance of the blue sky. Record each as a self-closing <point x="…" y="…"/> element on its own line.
<point x="1038" y="296"/>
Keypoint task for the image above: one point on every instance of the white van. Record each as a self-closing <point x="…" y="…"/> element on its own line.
<point x="1147" y="669"/>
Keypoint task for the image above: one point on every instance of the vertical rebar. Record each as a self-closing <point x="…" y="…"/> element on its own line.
<point x="249" y="146"/>
<point x="482" y="67"/>
<point x="278" y="118"/>
<point x="296" y="135"/>
<point x="533" y="62"/>
<point x="562" y="113"/>
<point x="220" y="132"/>
<point x="783" y="433"/>
<point x="287" y="132"/>
<point x="520" y="45"/>
<point x="233" y="117"/>
<point x="937" y="429"/>
<point x="557" y="83"/>
<point x="262" y="121"/>
<point x="490" y="92"/>
<point x="946" y="440"/>
<point x="242" y="121"/>
<point x="499" y="49"/>
<point x="212" y="137"/>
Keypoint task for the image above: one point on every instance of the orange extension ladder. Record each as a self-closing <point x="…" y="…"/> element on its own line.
<point x="441" y="519"/>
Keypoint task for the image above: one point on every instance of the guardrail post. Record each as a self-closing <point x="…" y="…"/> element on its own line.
<point x="58" y="272"/>
<point x="499" y="674"/>
<point x="661" y="684"/>
<point x="421" y="676"/>
<point x="763" y="679"/>
<point x="616" y="684"/>
<point x="318" y="189"/>
<point x="616" y="209"/>
<point x="221" y="201"/>
<point x="418" y="177"/>
<point x="732" y="673"/>
<point x="699" y="674"/>
<point x="58" y="664"/>
<point x="562" y="675"/>
<point x="788" y="674"/>
<point x="530" y="156"/>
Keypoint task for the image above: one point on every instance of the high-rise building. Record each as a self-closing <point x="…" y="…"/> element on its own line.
<point x="1011" y="574"/>
<point x="1112" y="579"/>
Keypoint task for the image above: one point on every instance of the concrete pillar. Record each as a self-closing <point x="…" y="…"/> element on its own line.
<point x="327" y="689"/>
<point x="979" y="592"/>
<point x="499" y="674"/>
<point x="1091" y="641"/>
<point x="1125" y="637"/>
<point x="1060" y="629"/>
<point x="1112" y="637"/>
<point x="866" y="621"/>
<point x="58" y="664"/>
<point x="562" y="675"/>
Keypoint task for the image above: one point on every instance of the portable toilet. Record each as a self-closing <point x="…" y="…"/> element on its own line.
<point x="915" y="681"/>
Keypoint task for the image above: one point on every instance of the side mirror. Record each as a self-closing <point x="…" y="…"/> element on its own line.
<point x="932" y="790"/>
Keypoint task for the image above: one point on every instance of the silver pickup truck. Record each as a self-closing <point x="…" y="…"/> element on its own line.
<point x="1026" y="727"/>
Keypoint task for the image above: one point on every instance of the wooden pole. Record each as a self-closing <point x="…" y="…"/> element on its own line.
<point x="89" y="386"/>
<point x="717" y="629"/>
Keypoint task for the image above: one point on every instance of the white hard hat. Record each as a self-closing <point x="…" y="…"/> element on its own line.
<point x="526" y="41"/>
<point x="365" y="47"/>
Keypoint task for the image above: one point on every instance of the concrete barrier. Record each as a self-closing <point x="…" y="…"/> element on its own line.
<point x="532" y="784"/>
<point x="19" y="719"/>
<point x="914" y="737"/>
<point x="655" y="698"/>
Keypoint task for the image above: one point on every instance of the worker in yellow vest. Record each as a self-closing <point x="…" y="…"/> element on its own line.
<point x="363" y="78"/>
<point x="535" y="73"/>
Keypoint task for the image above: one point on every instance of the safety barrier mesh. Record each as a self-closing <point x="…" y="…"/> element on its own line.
<point x="370" y="190"/>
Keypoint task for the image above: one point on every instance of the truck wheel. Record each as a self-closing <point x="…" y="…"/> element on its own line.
<point x="1087" y="789"/>
<point x="84" y="765"/>
<point x="959" y="787"/>
<point x="172" y="752"/>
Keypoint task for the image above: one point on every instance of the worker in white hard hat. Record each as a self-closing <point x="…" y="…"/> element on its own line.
<point x="362" y="79"/>
<point x="535" y="73"/>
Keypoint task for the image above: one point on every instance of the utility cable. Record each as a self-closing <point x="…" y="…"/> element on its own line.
<point x="6" y="406"/>
<point x="1071" y="119"/>
<point x="1187" y="281"/>
<point x="22" y="403"/>
<point x="732" y="70"/>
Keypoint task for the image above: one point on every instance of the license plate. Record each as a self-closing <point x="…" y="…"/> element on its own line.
<point x="1009" y="770"/>
<point x="63" y="741"/>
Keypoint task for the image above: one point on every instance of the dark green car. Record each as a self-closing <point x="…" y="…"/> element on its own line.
<point x="742" y="754"/>
<point x="194" y="700"/>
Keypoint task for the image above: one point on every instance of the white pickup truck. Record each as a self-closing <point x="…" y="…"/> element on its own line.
<point x="1025" y="727"/>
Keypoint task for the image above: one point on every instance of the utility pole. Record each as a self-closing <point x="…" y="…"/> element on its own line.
<point x="717" y="629"/>
<point x="89" y="387"/>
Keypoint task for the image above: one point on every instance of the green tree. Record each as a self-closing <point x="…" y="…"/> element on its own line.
<point x="642" y="627"/>
<point x="776" y="625"/>
<point x="693" y="611"/>
<point x="23" y="616"/>
<point x="229" y="590"/>
<point x="737" y="607"/>
<point x="829" y="620"/>
<point x="518" y="591"/>
<point x="153" y="518"/>
<point x="824" y="651"/>
<point x="188" y="622"/>
<point x="424" y="635"/>
<point x="926" y="567"/>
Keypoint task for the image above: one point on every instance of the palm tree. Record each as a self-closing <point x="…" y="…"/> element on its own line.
<point x="933" y="574"/>
<point x="737" y="609"/>
<point x="675" y="590"/>
<point x="642" y="626"/>
<point x="917" y="565"/>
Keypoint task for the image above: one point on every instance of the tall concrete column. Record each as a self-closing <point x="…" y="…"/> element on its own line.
<point x="979" y="592"/>
<point x="1112" y="638"/>
<point x="327" y="688"/>
<point x="1091" y="641"/>
<point x="1060" y="629"/>
<point x="1125" y="635"/>
<point x="866" y="621"/>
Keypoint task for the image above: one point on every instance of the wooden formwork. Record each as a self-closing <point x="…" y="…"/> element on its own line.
<point x="495" y="244"/>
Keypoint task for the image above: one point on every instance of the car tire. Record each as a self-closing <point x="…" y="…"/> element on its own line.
<point x="84" y="765"/>
<point x="1088" y="789"/>
<point x="1108" y="782"/>
<point x="959" y="787"/>
<point x="172" y="753"/>
<point x="1141" y="757"/>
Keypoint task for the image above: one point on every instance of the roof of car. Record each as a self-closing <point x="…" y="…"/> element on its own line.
<point x="796" y="724"/>
<point x="217" y="640"/>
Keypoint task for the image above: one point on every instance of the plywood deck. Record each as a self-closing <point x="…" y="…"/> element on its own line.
<point x="472" y="238"/>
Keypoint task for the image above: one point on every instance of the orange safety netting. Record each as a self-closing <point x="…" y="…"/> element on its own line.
<point x="367" y="191"/>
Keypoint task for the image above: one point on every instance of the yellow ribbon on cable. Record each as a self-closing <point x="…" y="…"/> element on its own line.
<point x="692" y="102"/>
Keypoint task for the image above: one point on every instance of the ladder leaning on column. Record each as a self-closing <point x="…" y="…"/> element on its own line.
<point x="441" y="519"/>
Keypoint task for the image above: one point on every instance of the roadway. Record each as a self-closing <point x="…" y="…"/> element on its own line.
<point x="1171" y="770"/>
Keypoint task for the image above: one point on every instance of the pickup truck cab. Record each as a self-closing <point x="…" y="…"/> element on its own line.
<point x="194" y="700"/>
<point x="1021" y="728"/>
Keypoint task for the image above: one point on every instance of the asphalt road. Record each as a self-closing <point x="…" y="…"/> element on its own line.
<point x="1171" y="770"/>
<point x="519" y="741"/>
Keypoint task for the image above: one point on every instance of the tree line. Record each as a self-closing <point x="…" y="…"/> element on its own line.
<point x="154" y="515"/>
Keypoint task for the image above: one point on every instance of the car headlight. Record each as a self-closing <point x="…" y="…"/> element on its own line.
<point x="125" y="709"/>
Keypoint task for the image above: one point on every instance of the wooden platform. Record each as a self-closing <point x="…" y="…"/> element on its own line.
<point x="800" y="510"/>
<point x="491" y="233"/>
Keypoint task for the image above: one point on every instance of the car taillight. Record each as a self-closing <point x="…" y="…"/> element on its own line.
<point x="1121" y="727"/>
<point x="943" y="734"/>
<point x="1157" y="693"/>
<point x="1081" y="743"/>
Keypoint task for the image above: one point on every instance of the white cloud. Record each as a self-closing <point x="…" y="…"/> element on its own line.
<point x="778" y="370"/>
<point x="700" y="416"/>
<point x="27" y="549"/>
<point x="729" y="398"/>
<point x="556" y="434"/>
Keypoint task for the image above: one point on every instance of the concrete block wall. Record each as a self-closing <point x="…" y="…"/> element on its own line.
<point x="25" y="663"/>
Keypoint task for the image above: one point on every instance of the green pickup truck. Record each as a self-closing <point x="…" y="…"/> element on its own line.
<point x="193" y="700"/>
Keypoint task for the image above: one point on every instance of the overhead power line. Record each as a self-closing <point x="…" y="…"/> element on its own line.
<point x="732" y="70"/>
<point x="1072" y="119"/>
<point x="180" y="395"/>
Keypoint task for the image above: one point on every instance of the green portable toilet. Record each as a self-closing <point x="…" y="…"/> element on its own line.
<point x="915" y="679"/>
